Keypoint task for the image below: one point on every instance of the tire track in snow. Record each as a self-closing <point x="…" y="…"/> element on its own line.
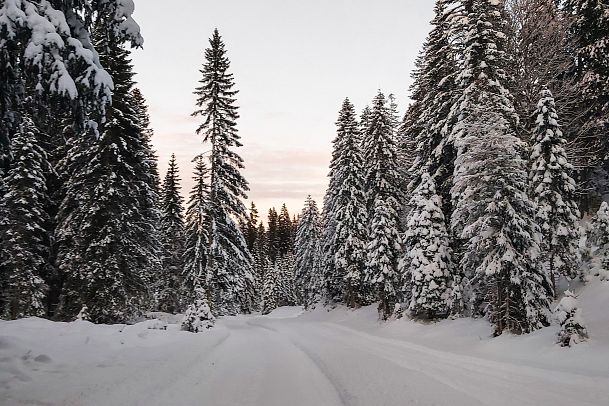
<point x="344" y="396"/>
<point x="448" y="368"/>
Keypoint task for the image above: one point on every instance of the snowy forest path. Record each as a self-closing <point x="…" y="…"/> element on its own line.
<point x="272" y="361"/>
<point x="408" y="373"/>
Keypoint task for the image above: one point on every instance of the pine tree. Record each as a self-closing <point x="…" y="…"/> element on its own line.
<point x="272" y="243"/>
<point x="569" y="315"/>
<point x="261" y="260"/>
<point x="169" y="287"/>
<point x="382" y="185"/>
<point x="382" y="257"/>
<point x="107" y="223"/>
<point x="350" y="238"/>
<point x="364" y="123"/>
<point x="427" y="246"/>
<point x="251" y="230"/>
<point x="24" y="238"/>
<point x="435" y="91"/>
<point x="502" y="251"/>
<point x="270" y="290"/>
<point x="306" y="251"/>
<point x="493" y="214"/>
<point x="333" y="278"/>
<point x="83" y="315"/>
<point x="333" y="286"/>
<point x="285" y="242"/>
<point x="198" y="316"/>
<point x="151" y="159"/>
<point x="229" y="261"/>
<point x="382" y="175"/>
<point x="285" y="280"/>
<point x="553" y="191"/>
<point x="196" y="249"/>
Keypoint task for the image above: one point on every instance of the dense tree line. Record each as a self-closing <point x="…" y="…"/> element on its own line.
<point x="469" y="205"/>
<point x="88" y="229"/>
<point x="503" y="147"/>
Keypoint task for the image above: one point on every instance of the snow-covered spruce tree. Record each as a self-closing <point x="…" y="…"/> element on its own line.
<point x="333" y="287"/>
<point x="196" y="273"/>
<point x="334" y="278"/>
<point x="382" y="185"/>
<point x="285" y="280"/>
<point x="350" y="236"/>
<point x="229" y="261"/>
<point x="198" y="316"/>
<point x="511" y="287"/>
<point x="256" y="248"/>
<point x="427" y="246"/>
<point x="553" y="191"/>
<point x="285" y="238"/>
<point x="306" y="252"/>
<point x="83" y="314"/>
<point x="270" y="289"/>
<point x="435" y="91"/>
<point x="572" y="327"/>
<point x="600" y="241"/>
<point x="493" y="214"/>
<point x="382" y="256"/>
<point x="272" y="245"/>
<point x="251" y="231"/>
<point x="52" y="75"/>
<point x="107" y="226"/>
<point x="172" y="236"/>
<point x="589" y="37"/>
<point x="261" y="260"/>
<point x="364" y="123"/>
<point x="24" y="238"/>
<point x="143" y="119"/>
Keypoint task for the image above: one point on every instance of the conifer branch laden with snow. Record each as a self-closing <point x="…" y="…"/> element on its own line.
<point x="25" y="250"/>
<point x="552" y="189"/>
<point x="428" y="121"/>
<point x="429" y="255"/>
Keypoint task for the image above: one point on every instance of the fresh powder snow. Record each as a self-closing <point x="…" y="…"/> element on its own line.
<point x="291" y="357"/>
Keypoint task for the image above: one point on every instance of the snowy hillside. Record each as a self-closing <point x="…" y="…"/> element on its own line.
<point x="342" y="357"/>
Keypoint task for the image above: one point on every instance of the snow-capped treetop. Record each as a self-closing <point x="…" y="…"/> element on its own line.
<point x="552" y="189"/>
<point x="428" y="121"/>
<point x="483" y="78"/>
<point x="307" y="253"/>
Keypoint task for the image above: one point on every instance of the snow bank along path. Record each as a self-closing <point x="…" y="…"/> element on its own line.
<point x="314" y="359"/>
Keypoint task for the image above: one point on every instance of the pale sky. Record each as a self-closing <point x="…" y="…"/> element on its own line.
<point x="294" y="62"/>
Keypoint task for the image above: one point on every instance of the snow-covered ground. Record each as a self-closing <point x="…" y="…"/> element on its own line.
<point x="317" y="358"/>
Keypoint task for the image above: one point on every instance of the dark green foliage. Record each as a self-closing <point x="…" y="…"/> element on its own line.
<point x="229" y="261"/>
